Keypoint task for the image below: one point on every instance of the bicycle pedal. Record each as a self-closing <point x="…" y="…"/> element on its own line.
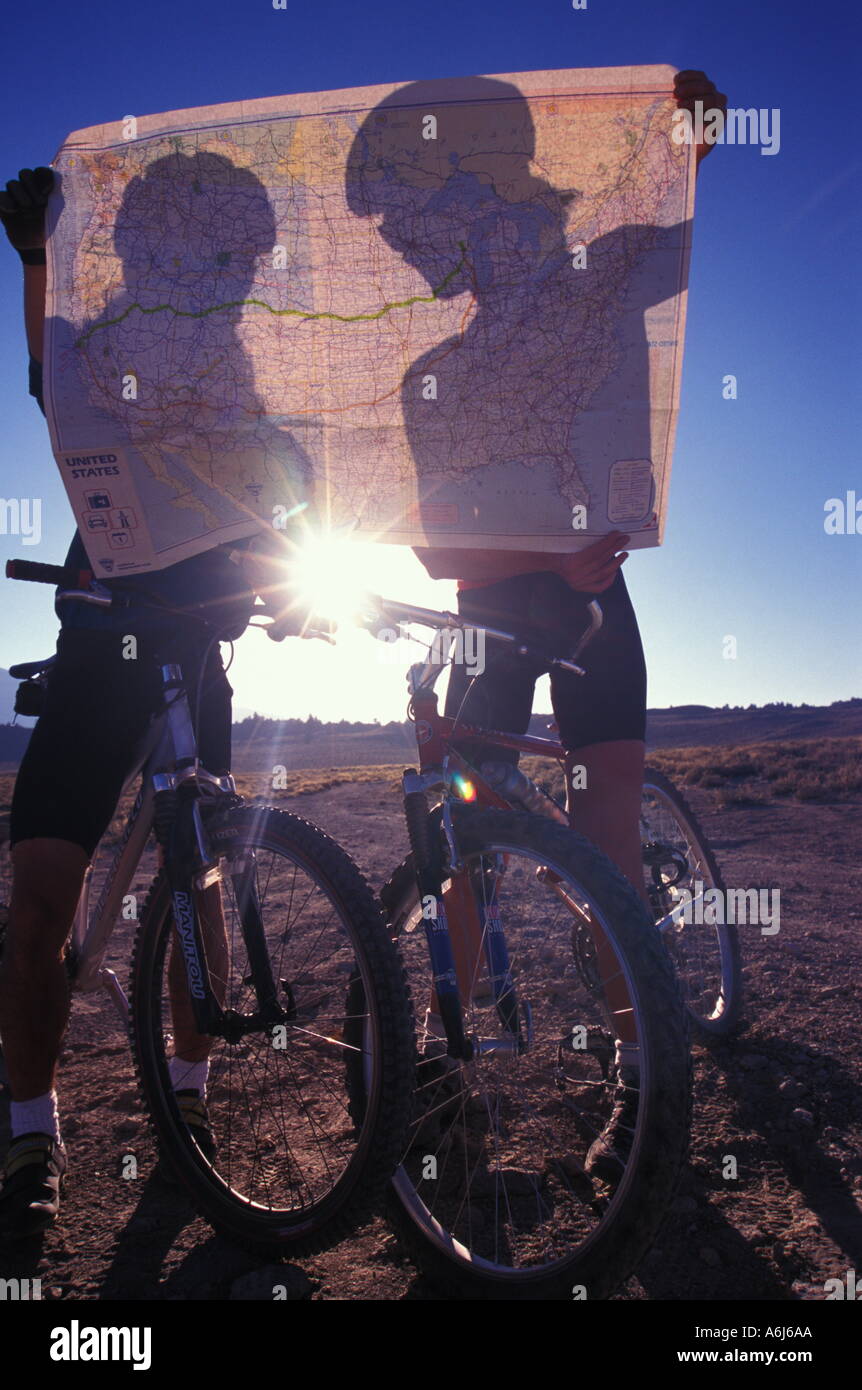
<point x="670" y="926"/>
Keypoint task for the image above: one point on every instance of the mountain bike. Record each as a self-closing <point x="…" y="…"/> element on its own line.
<point x="554" y="1015"/>
<point x="265" y="927"/>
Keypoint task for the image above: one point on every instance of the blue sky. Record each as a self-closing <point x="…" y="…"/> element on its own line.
<point x="774" y="298"/>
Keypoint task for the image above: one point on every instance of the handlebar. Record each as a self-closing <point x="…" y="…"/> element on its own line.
<point x="64" y="576"/>
<point x="79" y="584"/>
<point x="74" y="583"/>
<point x="395" y="611"/>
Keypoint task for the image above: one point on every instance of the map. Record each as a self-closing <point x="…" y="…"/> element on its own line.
<point x="441" y="313"/>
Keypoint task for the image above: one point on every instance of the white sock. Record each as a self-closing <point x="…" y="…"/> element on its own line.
<point x="189" y="1076"/>
<point x="36" y="1116"/>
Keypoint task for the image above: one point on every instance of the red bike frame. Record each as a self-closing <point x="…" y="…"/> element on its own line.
<point x="437" y="736"/>
<point x="437" y="739"/>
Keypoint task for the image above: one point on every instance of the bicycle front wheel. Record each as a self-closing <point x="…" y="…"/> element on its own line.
<point x="543" y="1167"/>
<point x="680" y="867"/>
<point x="290" y="1163"/>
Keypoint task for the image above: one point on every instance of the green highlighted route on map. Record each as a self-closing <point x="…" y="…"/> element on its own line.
<point x="281" y="313"/>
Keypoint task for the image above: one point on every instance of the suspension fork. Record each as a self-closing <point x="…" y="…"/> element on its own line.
<point x="244" y="879"/>
<point x="477" y="927"/>
<point x="182" y="866"/>
<point x="188" y="870"/>
<point x="187" y="857"/>
<point x="486" y="909"/>
<point x="189" y="865"/>
<point x="428" y="865"/>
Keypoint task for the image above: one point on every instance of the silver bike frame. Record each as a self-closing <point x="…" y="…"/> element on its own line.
<point x="168" y="740"/>
<point x="92" y="932"/>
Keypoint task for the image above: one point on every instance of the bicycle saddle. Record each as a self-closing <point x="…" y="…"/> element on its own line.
<point x="25" y="669"/>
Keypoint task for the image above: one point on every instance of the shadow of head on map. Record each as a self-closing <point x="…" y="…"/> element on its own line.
<point x="189" y="231"/>
<point x="445" y="193"/>
<point x="541" y="382"/>
<point x="179" y="223"/>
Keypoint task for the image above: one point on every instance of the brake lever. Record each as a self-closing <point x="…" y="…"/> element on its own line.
<point x="277" y="630"/>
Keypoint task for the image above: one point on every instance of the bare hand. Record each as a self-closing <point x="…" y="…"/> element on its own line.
<point x="690" y="86"/>
<point x="594" y="569"/>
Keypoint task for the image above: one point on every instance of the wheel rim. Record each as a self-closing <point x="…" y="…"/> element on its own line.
<point x="280" y="1106"/>
<point x="507" y="1195"/>
<point x="701" y="952"/>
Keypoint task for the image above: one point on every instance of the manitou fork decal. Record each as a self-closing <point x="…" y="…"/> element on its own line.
<point x="184" y="916"/>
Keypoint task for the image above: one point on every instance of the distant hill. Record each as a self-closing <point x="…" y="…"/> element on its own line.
<point x="263" y="743"/>
<point x="688" y="726"/>
<point x="260" y="744"/>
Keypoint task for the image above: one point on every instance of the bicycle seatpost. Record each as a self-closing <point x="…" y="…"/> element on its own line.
<point x="179" y="716"/>
<point x="597" y="617"/>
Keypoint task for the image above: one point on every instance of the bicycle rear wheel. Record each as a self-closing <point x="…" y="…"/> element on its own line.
<point x="295" y="1165"/>
<point x="678" y="860"/>
<point x="499" y="1194"/>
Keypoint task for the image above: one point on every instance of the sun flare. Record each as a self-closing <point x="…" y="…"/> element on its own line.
<point x="327" y="571"/>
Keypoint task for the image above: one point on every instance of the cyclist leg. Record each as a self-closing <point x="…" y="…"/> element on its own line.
<point x="607" y="808"/>
<point x="602" y="721"/>
<point x="66" y="791"/>
<point x="34" y="993"/>
<point x="601" y="715"/>
<point x="97" y="707"/>
<point x="502" y="696"/>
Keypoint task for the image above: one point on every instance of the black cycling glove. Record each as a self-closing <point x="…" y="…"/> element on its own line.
<point x="22" y="207"/>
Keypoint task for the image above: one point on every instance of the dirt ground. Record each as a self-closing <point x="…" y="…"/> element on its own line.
<point x="784" y="1099"/>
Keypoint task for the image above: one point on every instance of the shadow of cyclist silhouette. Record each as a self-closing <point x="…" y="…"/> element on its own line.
<point x="188" y="234"/>
<point x="546" y="384"/>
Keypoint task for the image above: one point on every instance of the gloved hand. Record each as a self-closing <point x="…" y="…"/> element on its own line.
<point x="265" y="562"/>
<point x="22" y="207"/>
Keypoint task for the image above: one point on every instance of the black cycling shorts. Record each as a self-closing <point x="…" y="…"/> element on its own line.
<point x="606" y="704"/>
<point x="97" y="708"/>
